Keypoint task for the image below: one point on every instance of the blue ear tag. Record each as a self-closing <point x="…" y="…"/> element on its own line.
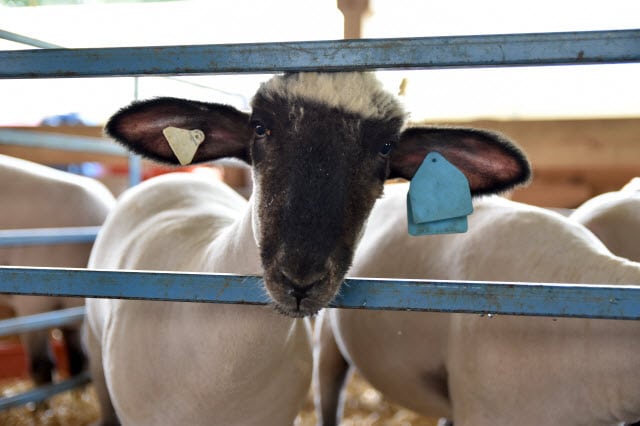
<point x="439" y="198"/>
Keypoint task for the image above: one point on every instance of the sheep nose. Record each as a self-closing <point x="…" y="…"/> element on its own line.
<point x="299" y="287"/>
<point x="299" y="293"/>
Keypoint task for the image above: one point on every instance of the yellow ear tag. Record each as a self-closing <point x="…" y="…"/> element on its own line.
<point x="184" y="143"/>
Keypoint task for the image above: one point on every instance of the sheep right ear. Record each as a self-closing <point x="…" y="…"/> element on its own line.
<point x="490" y="162"/>
<point x="140" y="127"/>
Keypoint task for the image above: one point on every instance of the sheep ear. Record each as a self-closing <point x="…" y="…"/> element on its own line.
<point x="224" y="131"/>
<point x="490" y="161"/>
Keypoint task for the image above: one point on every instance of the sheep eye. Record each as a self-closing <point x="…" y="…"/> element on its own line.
<point x="261" y="130"/>
<point x="386" y="149"/>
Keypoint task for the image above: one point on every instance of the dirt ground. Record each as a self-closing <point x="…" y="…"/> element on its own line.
<point x="364" y="407"/>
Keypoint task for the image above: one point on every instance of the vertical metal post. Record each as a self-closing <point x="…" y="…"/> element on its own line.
<point x="135" y="169"/>
<point x="135" y="161"/>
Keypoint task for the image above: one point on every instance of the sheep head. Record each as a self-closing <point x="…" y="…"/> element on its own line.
<point x="321" y="146"/>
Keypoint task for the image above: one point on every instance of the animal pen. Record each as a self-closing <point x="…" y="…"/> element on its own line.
<point x="505" y="298"/>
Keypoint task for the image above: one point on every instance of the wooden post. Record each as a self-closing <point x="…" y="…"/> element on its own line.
<point x="353" y="11"/>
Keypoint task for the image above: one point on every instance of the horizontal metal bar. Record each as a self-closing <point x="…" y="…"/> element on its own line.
<point x="41" y="321"/>
<point x="18" y="38"/>
<point x="61" y="142"/>
<point x="588" y="47"/>
<point x="557" y="300"/>
<point x="44" y="392"/>
<point x="38" y="236"/>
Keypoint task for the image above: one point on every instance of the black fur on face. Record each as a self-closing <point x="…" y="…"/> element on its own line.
<point x="321" y="146"/>
<point x="318" y="171"/>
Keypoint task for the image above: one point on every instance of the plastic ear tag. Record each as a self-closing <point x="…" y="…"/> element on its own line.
<point x="439" y="198"/>
<point x="184" y="143"/>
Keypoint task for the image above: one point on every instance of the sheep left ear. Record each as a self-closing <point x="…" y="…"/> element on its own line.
<point x="220" y="130"/>
<point x="490" y="161"/>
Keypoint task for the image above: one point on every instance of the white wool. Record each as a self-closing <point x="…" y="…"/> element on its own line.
<point x="521" y="370"/>
<point x="633" y="185"/>
<point x="189" y="222"/>
<point x="356" y="92"/>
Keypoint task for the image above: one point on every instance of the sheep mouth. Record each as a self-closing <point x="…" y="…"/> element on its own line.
<point x="298" y="308"/>
<point x="297" y="301"/>
<point x="295" y="313"/>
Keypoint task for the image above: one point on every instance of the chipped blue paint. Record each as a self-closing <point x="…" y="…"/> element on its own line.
<point x="545" y="299"/>
<point x="588" y="47"/>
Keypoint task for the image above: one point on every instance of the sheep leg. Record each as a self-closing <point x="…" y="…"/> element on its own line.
<point x="36" y="344"/>
<point x="75" y="353"/>
<point x="330" y="371"/>
<point x="108" y="415"/>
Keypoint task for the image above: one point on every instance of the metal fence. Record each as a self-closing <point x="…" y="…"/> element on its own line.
<point x="574" y="48"/>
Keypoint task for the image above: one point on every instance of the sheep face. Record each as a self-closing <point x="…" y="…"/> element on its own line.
<point x="321" y="146"/>
<point x="318" y="169"/>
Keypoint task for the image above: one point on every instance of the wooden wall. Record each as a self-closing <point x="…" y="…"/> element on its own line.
<point x="572" y="160"/>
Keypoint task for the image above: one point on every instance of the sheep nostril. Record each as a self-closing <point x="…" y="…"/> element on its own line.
<point x="299" y="293"/>
<point x="298" y="288"/>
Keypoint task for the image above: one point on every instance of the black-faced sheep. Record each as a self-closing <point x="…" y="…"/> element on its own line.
<point x="321" y="146"/>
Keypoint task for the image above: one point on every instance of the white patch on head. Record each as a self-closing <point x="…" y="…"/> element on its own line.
<point x="356" y="92"/>
<point x="256" y="206"/>
<point x="632" y="186"/>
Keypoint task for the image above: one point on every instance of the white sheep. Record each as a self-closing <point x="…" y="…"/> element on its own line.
<point x="615" y="219"/>
<point x="482" y="370"/>
<point x="36" y="196"/>
<point x="321" y="146"/>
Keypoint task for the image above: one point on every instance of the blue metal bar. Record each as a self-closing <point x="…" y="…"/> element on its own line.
<point x="588" y="47"/>
<point x="561" y="300"/>
<point x="37" y="236"/>
<point x="44" y="392"/>
<point x="61" y="142"/>
<point x="50" y="319"/>
<point x="135" y="169"/>
<point x="27" y="40"/>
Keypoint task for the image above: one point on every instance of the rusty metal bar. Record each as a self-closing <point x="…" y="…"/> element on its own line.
<point x="587" y="47"/>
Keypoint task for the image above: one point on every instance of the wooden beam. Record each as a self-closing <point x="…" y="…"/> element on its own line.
<point x="232" y="175"/>
<point x="574" y="143"/>
<point x="353" y="12"/>
<point x="54" y="157"/>
<point x="573" y="160"/>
